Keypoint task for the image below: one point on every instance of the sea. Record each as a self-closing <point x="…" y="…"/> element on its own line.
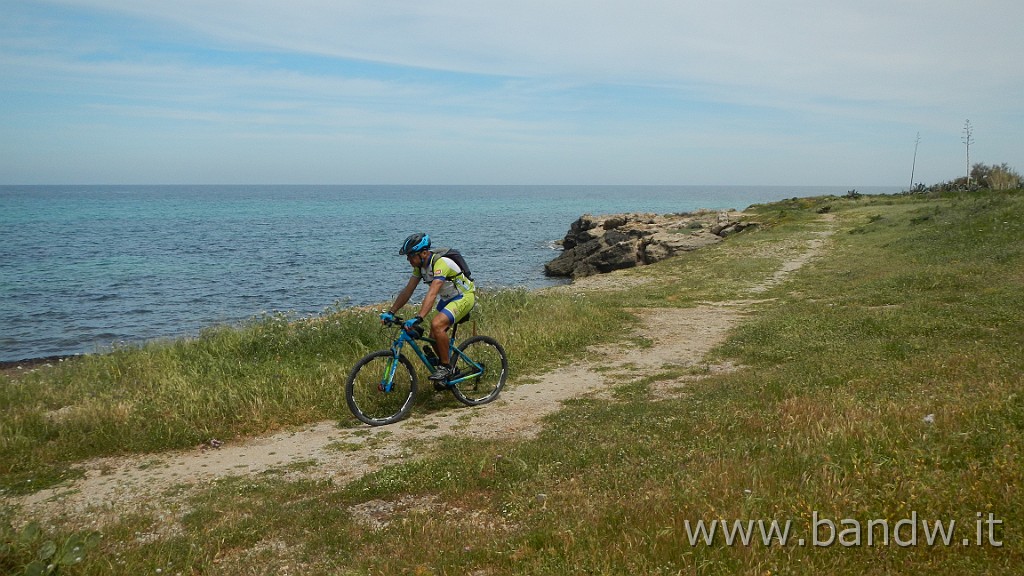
<point x="84" y="269"/>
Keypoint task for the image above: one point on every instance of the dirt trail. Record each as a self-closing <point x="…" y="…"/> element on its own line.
<point x="158" y="484"/>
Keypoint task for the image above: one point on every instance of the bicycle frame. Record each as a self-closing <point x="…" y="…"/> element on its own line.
<point x="405" y="338"/>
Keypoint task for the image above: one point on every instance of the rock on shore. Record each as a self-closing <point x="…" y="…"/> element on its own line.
<point x="599" y="244"/>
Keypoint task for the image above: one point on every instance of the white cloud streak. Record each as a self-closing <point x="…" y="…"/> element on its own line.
<point x="874" y="50"/>
<point x="554" y="75"/>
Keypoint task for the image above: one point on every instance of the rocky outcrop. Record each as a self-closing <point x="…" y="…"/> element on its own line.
<point x="599" y="244"/>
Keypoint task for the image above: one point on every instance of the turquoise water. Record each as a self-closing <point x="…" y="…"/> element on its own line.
<point x="86" y="267"/>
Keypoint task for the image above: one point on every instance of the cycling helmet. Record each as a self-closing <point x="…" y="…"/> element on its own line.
<point x="414" y="244"/>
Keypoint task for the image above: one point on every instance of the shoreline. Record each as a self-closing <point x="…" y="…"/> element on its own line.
<point x="707" y="217"/>
<point x="33" y="363"/>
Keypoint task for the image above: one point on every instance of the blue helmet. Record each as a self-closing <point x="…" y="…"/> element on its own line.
<point x="414" y="244"/>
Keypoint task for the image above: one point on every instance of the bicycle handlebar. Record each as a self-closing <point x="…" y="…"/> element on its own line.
<point x="395" y="321"/>
<point x="399" y="321"/>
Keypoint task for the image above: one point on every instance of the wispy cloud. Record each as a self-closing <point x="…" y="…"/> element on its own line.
<point x="552" y="83"/>
<point x="838" y="48"/>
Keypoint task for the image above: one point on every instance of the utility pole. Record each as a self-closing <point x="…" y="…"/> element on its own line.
<point x="914" y="165"/>
<point x="968" y="139"/>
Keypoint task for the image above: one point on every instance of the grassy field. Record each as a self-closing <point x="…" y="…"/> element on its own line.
<point x="879" y="397"/>
<point x="230" y="383"/>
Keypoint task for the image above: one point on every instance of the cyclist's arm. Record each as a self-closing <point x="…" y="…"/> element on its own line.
<point x="405" y="294"/>
<point x="431" y="297"/>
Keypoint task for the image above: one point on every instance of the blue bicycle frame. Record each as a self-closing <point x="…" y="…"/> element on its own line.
<point x="454" y="353"/>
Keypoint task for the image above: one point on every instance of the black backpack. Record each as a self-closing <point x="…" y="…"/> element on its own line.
<point x="456" y="256"/>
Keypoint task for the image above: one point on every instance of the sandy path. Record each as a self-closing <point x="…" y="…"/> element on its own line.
<point x="157" y="484"/>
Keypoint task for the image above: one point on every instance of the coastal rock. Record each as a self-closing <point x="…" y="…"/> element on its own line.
<point x="600" y="244"/>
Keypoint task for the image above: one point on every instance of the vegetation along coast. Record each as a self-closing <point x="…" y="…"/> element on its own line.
<point x="843" y="374"/>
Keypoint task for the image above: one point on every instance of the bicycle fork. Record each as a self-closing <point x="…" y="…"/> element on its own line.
<point x="387" y="382"/>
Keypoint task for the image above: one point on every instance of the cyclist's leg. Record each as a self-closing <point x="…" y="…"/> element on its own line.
<point x="450" y="312"/>
<point x="438" y="327"/>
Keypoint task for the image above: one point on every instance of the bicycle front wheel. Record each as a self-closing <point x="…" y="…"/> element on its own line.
<point x="380" y="389"/>
<point x="481" y="371"/>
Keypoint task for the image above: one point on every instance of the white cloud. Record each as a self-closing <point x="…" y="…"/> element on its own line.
<point x="553" y="82"/>
<point x="867" y="50"/>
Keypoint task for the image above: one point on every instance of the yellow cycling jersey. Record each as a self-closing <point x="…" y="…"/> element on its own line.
<point x="456" y="282"/>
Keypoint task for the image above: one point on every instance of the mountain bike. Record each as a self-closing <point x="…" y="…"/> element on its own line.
<point x="382" y="386"/>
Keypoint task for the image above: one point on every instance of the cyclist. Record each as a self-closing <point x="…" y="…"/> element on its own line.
<point x="446" y="281"/>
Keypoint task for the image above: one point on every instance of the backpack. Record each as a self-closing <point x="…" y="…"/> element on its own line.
<point x="454" y="255"/>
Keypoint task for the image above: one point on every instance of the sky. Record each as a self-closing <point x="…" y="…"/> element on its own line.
<point x="674" y="92"/>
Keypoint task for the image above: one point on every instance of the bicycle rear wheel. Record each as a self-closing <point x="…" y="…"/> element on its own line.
<point x="380" y="392"/>
<point x="485" y="371"/>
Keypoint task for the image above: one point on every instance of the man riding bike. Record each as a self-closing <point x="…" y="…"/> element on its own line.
<point x="447" y="282"/>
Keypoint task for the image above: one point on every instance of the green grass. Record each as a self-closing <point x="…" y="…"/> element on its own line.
<point x="727" y="271"/>
<point x="233" y="382"/>
<point x="879" y="383"/>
